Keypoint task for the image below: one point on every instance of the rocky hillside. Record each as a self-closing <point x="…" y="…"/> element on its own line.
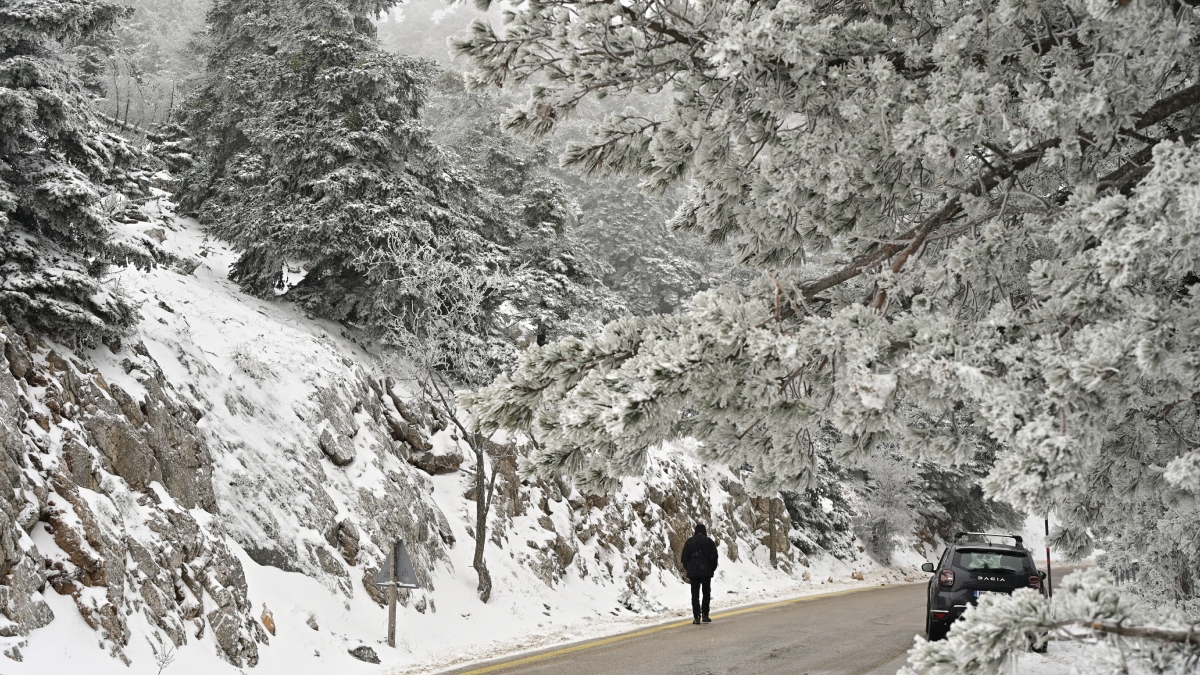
<point x="219" y="484"/>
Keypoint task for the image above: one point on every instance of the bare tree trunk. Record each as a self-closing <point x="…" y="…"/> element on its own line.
<point x="442" y="395"/>
<point x="142" y="122"/>
<point x="116" y="91"/>
<point x="771" y="530"/>
<point x="170" y="105"/>
<point x="482" y="502"/>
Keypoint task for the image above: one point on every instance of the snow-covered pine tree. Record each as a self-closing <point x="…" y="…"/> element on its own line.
<point x="310" y="154"/>
<point x="975" y="224"/>
<point x="57" y="165"/>
<point x="314" y="159"/>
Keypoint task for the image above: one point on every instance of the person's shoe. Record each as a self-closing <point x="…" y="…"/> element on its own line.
<point x="706" y="620"/>
<point x="696" y="621"/>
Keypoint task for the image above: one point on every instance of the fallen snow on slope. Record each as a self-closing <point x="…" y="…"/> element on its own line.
<point x="261" y="372"/>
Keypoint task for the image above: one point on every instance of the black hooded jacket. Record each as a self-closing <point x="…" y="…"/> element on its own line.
<point x="699" y="555"/>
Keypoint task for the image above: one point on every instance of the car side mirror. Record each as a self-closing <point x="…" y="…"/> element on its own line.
<point x="928" y="567"/>
<point x="1042" y="576"/>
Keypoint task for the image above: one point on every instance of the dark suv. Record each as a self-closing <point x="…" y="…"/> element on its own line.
<point x="973" y="566"/>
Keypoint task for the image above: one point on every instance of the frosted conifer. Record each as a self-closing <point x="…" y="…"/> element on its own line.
<point x="315" y="160"/>
<point x="57" y="165"/>
<point x="975" y="225"/>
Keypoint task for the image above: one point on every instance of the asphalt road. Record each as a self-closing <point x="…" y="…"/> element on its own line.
<point x="860" y="632"/>
<point x="855" y="632"/>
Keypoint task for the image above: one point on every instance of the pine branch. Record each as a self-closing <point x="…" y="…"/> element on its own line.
<point x="1138" y="165"/>
<point x="1165" y="107"/>
<point x="951" y="210"/>
<point x="1189" y="636"/>
<point x="912" y="239"/>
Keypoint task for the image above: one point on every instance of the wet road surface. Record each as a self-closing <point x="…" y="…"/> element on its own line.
<point x="857" y="632"/>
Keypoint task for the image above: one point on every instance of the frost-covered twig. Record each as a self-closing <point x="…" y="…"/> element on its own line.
<point x="1189" y="635"/>
<point x="164" y="653"/>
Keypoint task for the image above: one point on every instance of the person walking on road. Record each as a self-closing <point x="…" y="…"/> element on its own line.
<point x="700" y="562"/>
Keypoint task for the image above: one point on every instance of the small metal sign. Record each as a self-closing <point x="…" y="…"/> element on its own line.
<point x="396" y="573"/>
<point x="397" y="569"/>
<point x="384" y="576"/>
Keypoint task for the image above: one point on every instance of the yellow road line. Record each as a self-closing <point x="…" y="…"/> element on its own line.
<point x="649" y="631"/>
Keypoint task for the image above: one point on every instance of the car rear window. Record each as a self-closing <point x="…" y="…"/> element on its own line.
<point x="990" y="560"/>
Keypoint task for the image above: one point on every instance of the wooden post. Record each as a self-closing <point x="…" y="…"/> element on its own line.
<point x="392" y="600"/>
<point x="1049" y="581"/>
<point x="771" y="518"/>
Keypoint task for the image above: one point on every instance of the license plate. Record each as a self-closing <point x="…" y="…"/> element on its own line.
<point x="979" y="593"/>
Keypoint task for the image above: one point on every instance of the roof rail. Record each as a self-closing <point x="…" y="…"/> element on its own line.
<point x="1014" y="537"/>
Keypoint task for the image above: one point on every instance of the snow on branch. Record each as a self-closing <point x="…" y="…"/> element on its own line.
<point x="1190" y="636"/>
<point x="993" y="635"/>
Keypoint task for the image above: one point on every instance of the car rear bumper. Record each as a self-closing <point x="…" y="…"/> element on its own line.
<point x="953" y="607"/>
<point x="947" y="616"/>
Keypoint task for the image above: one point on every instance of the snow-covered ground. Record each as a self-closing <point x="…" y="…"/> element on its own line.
<point x="462" y="631"/>
<point x="1062" y="658"/>
<point x="256" y="367"/>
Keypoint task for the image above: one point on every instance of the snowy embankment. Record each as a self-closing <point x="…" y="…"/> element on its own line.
<point x="218" y="487"/>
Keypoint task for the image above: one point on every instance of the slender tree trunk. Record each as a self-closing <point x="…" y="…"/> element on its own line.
<point x="484" y="488"/>
<point x="116" y="92"/>
<point x="771" y="530"/>
<point x="481" y="514"/>
<point x="170" y="105"/>
<point x="142" y="123"/>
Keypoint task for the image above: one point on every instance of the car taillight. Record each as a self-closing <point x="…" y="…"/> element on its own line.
<point x="1035" y="582"/>
<point x="946" y="578"/>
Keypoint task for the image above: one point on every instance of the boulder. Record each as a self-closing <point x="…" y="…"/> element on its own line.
<point x="365" y="653"/>
<point x="186" y="265"/>
<point x="80" y="465"/>
<point x="436" y="465"/>
<point x="336" y="447"/>
<point x="182" y="452"/>
<point x="18" y="361"/>
<point x="347" y="542"/>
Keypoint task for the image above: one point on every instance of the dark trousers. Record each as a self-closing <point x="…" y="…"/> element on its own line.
<point x="701" y="608"/>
